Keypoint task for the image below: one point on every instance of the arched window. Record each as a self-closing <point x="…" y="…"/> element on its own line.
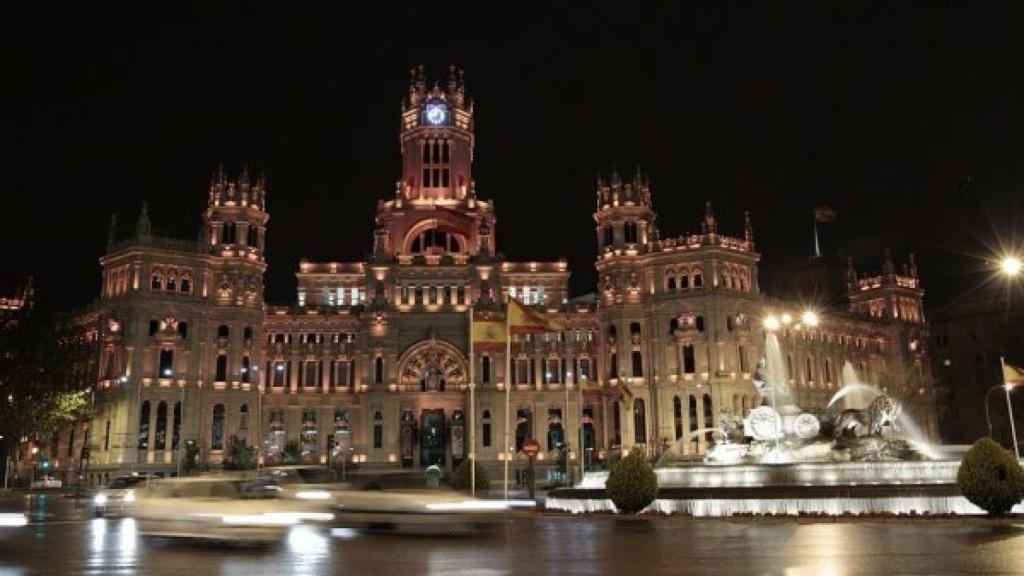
<point x="157" y="280"/>
<point x="247" y="333"/>
<point x="223" y="331"/>
<point x="378" y="370"/>
<point x="693" y="414"/>
<point x="684" y="281"/>
<point x="698" y="280"/>
<point x="176" y="430"/>
<point x="217" y="430"/>
<point x="639" y="421"/>
<point x="378" y="430"/>
<point x="611" y="332"/>
<point x="485" y="369"/>
<point x="144" y="426"/>
<point x="222" y="368"/>
<point x="183" y="329"/>
<point x="171" y="283"/>
<point x="709" y="415"/>
<point x="487" y="429"/>
<point x="186" y="282"/>
<point x="161" y="426"/>
<point x="616" y="424"/>
<point x="677" y="414"/>
<point x="154" y="327"/>
<point x="243" y="418"/>
<point x="670" y="279"/>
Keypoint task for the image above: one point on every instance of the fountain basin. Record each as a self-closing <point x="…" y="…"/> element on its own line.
<point x="825" y="488"/>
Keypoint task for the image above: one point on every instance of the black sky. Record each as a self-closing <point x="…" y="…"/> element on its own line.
<point x="879" y="110"/>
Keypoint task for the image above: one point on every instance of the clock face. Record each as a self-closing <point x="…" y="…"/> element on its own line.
<point x="436" y="114"/>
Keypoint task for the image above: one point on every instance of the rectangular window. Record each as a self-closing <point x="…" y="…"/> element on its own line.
<point x="522" y="371"/>
<point x="279" y="374"/>
<point x="741" y="355"/>
<point x="166" y="363"/>
<point x="378" y="435"/>
<point x="487" y="435"/>
<point x="689" y="360"/>
<point x="309" y="374"/>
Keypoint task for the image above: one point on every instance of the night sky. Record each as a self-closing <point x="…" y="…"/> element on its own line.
<point x="908" y="119"/>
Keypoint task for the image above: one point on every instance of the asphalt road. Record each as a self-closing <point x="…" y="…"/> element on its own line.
<point x="65" y="540"/>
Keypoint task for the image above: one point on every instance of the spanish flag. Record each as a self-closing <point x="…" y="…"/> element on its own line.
<point x="1013" y="374"/>
<point x="522" y="320"/>
<point x="488" y="333"/>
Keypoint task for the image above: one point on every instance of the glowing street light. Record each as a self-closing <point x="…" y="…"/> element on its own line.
<point x="1010" y="266"/>
<point x="786" y="319"/>
<point x="810" y="318"/>
<point x="771" y="323"/>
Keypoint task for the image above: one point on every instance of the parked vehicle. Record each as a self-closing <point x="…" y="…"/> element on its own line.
<point x="46" y="482"/>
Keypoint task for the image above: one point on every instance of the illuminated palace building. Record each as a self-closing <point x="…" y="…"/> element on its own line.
<point x="371" y="363"/>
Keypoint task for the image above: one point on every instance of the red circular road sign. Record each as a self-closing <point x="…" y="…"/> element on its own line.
<point x="531" y="447"/>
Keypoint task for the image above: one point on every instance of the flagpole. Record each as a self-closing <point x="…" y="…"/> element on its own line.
<point x="1009" y="406"/>
<point x="508" y="387"/>
<point x="472" y="410"/>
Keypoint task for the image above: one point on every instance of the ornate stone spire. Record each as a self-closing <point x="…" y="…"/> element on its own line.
<point x="143" y="227"/>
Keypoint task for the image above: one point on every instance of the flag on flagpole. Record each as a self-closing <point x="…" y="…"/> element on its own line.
<point x="522" y="320"/>
<point x="488" y="333"/>
<point x="1013" y="374"/>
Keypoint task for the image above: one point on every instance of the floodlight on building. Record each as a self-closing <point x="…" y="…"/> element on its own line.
<point x="771" y="323"/>
<point x="1011" y="266"/>
<point x="786" y="319"/>
<point x="810" y="318"/>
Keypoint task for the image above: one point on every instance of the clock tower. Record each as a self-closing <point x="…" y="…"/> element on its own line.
<point x="437" y="141"/>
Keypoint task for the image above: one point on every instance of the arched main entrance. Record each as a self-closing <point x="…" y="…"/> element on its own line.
<point x="432" y="370"/>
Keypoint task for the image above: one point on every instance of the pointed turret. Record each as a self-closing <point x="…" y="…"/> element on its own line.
<point x="112" y="233"/>
<point x="748" y="228"/>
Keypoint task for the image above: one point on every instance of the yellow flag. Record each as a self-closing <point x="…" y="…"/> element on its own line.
<point x="1013" y="374"/>
<point x="488" y="334"/>
<point x="523" y="320"/>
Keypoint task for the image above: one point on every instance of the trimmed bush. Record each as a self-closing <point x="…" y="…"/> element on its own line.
<point x="631" y="484"/>
<point x="990" y="477"/>
<point x="460" y="478"/>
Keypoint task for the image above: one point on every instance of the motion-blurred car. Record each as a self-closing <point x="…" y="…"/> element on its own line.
<point x="116" y="497"/>
<point x="46" y="482"/>
<point x="223" y="509"/>
<point x="315" y="483"/>
<point x="426" y="512"/>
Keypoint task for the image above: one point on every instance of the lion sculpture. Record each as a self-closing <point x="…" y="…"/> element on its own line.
<point x="871" y="421"/>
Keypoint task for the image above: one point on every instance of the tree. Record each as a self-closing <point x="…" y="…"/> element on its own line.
<point x="460" y="479"/>
<point x="632" y="484"/>
<point x="46" y="370"/>
<point x="292" y="453"/>
<point x="240" y="456"/>
<point x="990" y="477"/>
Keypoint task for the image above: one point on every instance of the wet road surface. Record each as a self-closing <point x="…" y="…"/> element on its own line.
<point x="64" y="540"/>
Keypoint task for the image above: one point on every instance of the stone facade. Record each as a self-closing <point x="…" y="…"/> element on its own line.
<point x="371" y="364"/>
